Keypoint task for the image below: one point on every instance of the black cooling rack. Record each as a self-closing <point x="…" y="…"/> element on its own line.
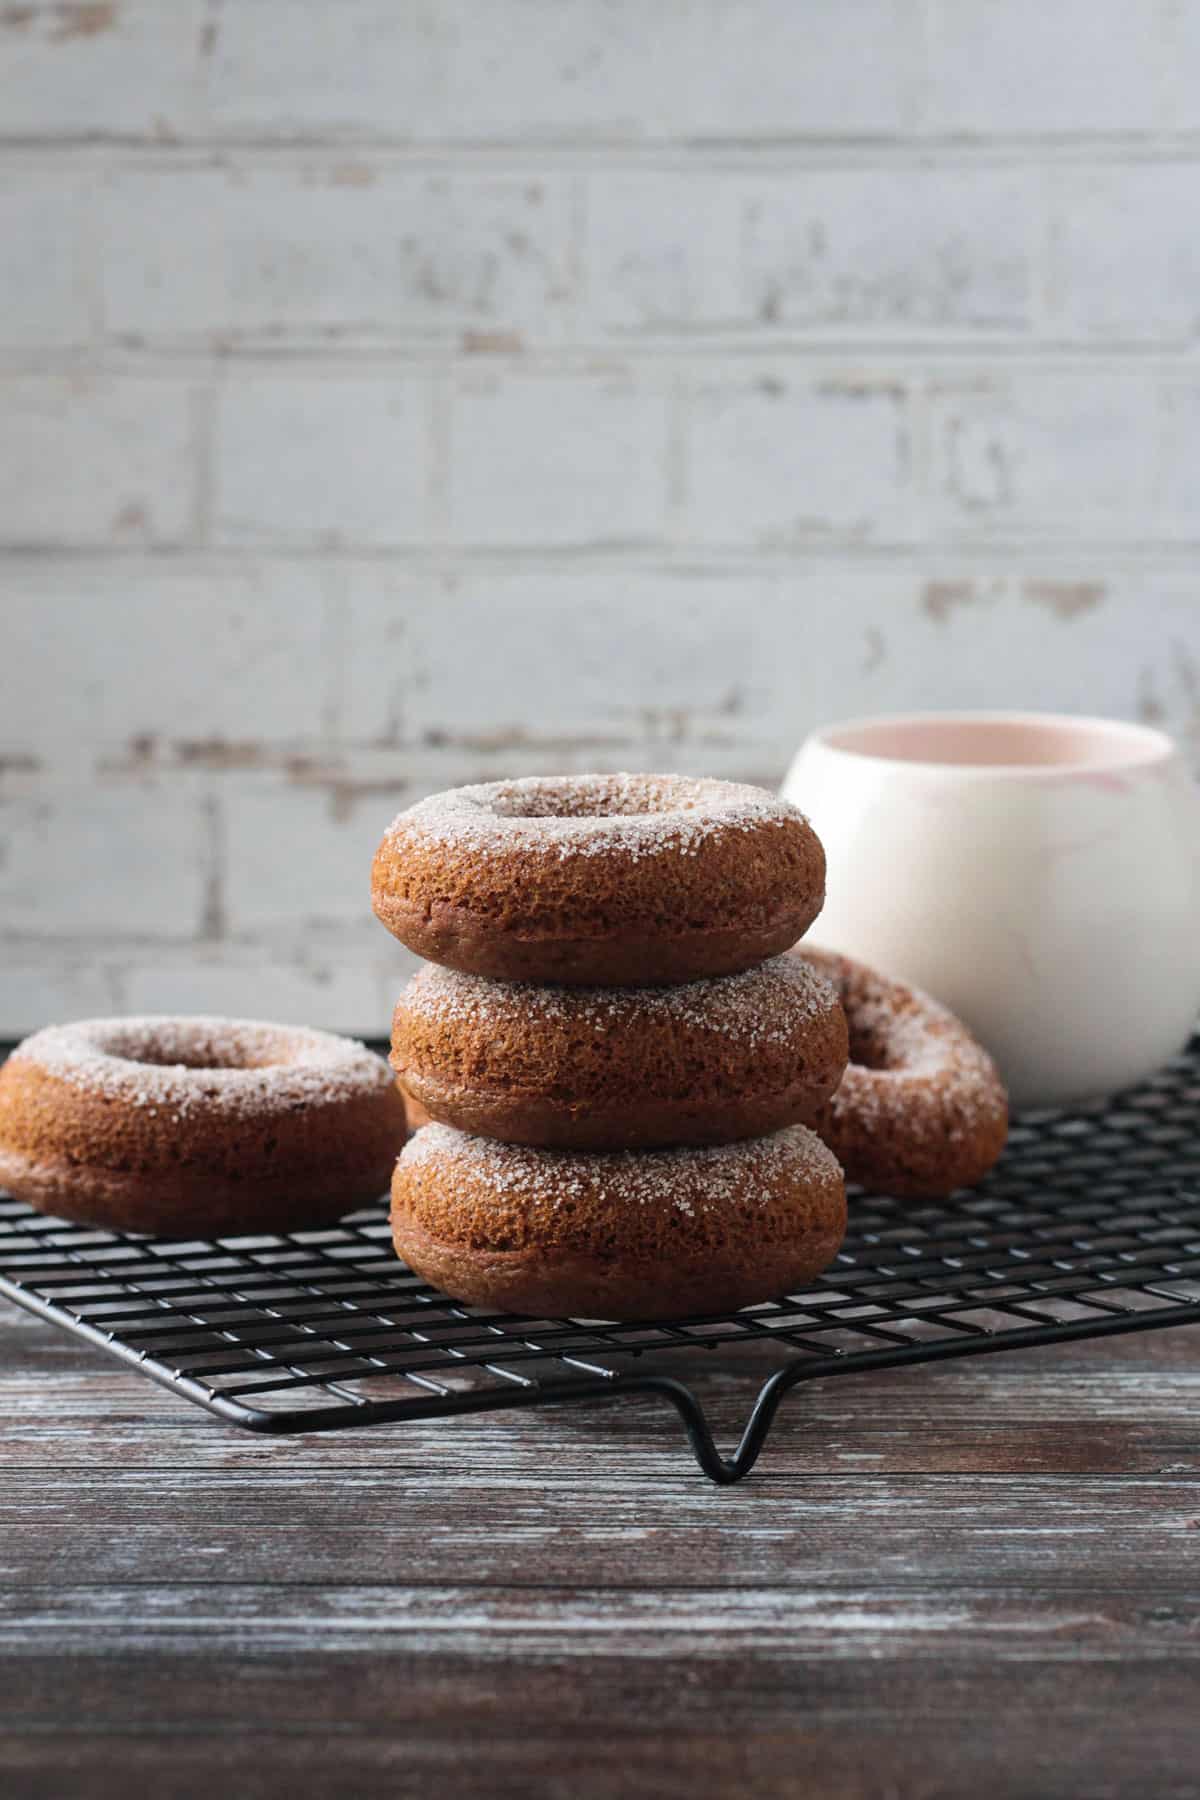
<point x="1089" y="1226"/>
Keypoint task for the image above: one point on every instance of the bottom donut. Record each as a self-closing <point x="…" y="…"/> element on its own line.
<point x="618" y="1234"/>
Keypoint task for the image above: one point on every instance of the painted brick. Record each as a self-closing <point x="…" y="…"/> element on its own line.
<point x="1178" y="495"/>
<point x="777" y="458"/>
<point x="336" y="251"/>
<point x="1181" y="42"/>
<point x="155" y="663"/>
<point x="93" y="460"/>
<point x="898" y="250"/>
<point x="295" y="860"/>
<point x="119" y="862"/>
<point x="906" y="251"/>
<point x="1011" y="66"/>
<point x="304" y="69"/>
<point x="334" y="994"/>
<point x="1047" y="452"/>
<point x="303" y="460"/>
<point x="78" y="69"/>
<point x="724" y="68"/>
<point x="494" y="673"/>
<point x="43" y="274"/>
<point x="564" y="69"/>
<point x="1074" y="636"/>
<point x="557" y="460"/>
<point x="1125" y="259"/>
<point x="37" y="990"/>
<point x="662" y="251"/>
<point x="949" y="635"/>
<point x="568" y="667"/>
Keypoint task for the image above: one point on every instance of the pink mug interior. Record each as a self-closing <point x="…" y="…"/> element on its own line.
<point x="1018" y="742"/>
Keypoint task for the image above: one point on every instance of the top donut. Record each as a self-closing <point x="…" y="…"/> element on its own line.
<point x="603" y="880"/>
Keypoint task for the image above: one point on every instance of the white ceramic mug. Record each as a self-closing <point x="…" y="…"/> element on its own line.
<point x="1039" y="873"/>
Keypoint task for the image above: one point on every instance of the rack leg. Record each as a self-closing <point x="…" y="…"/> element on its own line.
<point x="724" y="1471"/>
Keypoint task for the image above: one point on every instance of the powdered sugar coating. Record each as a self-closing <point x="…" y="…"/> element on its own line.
<point x="233" y="1067"/>
<point x="763" y="1005"/>
<point x="921" y="1109"/>
<point x="711" y="1178"/>
<point x="922" y="1039"/>
<point x="589" y="815"/>
<point x="918" y="1045"/>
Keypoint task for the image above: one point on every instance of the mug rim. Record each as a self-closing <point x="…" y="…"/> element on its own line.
<point x="1132" y="746"/>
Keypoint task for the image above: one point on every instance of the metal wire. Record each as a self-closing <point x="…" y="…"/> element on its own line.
<point x="1090" y="1225"/>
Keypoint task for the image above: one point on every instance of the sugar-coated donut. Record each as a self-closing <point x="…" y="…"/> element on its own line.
<point x="196" y="1126"/>
<point x="921" y="1109"/>
<point x="598" y="1068"/>
<point x="617" y="1234"/>
<point x="601" y="880"/>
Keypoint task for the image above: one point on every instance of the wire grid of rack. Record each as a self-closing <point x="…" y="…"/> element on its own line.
<point x="1089" y="1226"/>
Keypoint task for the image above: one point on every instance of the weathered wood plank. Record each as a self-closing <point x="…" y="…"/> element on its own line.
<point x="1036" y="1621"/>
<point x="634" y="1687"/>
<point x="1032" y="1750"/>
<point x="1129" y="1423"/>
<point x="362" y="1525"/>
<point x="983" y="1575"/>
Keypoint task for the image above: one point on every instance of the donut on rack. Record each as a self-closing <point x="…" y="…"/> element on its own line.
<point x="735" y="1056"/>
<point x="600" y="880"/>
<point x="921" y="1109"/>
<point x="617" y="1234"/>
<point x="196" y="1126"/>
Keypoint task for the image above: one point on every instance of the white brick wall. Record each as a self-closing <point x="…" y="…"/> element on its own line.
<point x="325" y="250"/>
<point x="96" y="460"/>
<point x="108" y="68"/>
<point x="44" y="297"/>
<point x="310" y="461"/>
<point x="1011" y="66"/>
<point x="131" y="658"/>
<point x="557" y="460"/>
<point x="126" y="861"/>
<point x="777" y="458"/>
<point x="914" y="252"/>
<point x="396" y="395"/>
<point x="1062" y="452"/>
<point x="1124" y="255"/>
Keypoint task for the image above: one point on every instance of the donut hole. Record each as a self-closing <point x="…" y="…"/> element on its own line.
<point x="585" y="798"/>
<point x="867" y="1048"/>
<point x="160" y="1057"/>
<point x="194" y="1046"/>
<point x="596" y="796"/>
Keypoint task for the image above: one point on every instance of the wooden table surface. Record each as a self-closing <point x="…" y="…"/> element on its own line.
<point x="979" y="1578"/>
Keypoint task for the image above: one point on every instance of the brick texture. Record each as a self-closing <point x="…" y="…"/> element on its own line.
<point x="44" y="297"/>
<point x="558" y="460"/>
<point x="310" y="462"/>
<point x="337" y="250"/>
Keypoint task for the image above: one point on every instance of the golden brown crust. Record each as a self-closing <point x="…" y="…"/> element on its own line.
<point x="617" y="1235"/>
<point x="621" y="1068"/>
<point x="603" y="880"/>
<point x="414" y="1113"/>
<point x="83" y="1154"/>
<point x="921" y="1109"/>
<point x="646" y="955"/>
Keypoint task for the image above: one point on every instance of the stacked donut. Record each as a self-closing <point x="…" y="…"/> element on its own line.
<point x="618" y="1062"/>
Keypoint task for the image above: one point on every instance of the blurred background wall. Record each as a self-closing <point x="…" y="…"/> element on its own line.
<point x="399" y="394"/>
